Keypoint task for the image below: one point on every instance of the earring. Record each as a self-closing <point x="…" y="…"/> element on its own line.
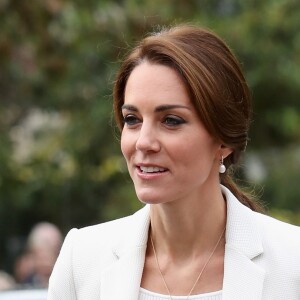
<point x="222" y="168"/>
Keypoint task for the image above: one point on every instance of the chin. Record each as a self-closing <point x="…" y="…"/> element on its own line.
<point x="149" y="198"/>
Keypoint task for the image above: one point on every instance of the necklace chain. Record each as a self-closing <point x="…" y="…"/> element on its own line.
<point x="201" y="271"/>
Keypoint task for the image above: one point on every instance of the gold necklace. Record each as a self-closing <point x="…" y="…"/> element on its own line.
<point x="201" y="271"/>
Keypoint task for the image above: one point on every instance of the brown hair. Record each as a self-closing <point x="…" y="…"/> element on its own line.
<point x="214" y="80"/>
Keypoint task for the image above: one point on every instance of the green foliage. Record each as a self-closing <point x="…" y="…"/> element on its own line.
<point x="59" y="156"/>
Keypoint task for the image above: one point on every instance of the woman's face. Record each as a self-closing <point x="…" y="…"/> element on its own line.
<point x="169" y="153"/>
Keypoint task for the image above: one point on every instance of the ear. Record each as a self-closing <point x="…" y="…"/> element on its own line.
<point x="224" y="151"/>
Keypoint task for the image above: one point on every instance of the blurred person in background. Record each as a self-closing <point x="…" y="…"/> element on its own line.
<point x="183" y="107"/>
<point x="33" y="268"/>
<point x="7" y="282"/>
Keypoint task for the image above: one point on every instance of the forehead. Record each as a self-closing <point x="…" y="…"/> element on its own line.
<point x="157" y="84"/>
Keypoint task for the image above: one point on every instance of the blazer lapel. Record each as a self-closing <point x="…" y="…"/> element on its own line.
<point x="123" y="278"/>
<point x="243" y="278"/>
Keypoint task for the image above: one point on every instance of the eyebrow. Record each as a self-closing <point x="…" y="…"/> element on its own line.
<point x="158" y="108"/>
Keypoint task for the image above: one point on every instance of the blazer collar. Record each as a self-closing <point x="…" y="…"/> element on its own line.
<point x="123" y="278"/>
<point x="243" y="279"/>
<point x="135" y="232"/>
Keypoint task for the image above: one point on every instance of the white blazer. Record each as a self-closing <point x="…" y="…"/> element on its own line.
<point x="105" y="261"/>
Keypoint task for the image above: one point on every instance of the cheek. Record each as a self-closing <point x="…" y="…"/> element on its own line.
<point x="196" y="153"/>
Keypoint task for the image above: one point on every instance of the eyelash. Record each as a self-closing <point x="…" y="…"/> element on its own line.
<point x="169" y="120"/>
<point x="173" y="121"/>
<point x="130" y="120"/>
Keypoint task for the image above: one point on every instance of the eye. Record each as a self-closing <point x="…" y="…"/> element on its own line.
<point x="130" y="120"/>
<point x="173" y="121"/>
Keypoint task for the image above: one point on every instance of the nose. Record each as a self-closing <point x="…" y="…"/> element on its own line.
<point x="148" y="140"/>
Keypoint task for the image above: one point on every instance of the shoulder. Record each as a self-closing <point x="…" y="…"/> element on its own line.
<point x="242" y="221"/>
<point x="103" y="232"/>
<point x="88" y="251"/>
<point x="281" y="247"/>
<point x="277" y="232"/>
<point x="252" y="232"/>
<point x="110" y="233"/>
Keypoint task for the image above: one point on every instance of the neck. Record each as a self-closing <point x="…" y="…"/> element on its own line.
<point x="185" y="228"/>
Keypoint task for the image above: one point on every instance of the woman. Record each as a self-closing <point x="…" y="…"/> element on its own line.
<point x="183" y="107"/>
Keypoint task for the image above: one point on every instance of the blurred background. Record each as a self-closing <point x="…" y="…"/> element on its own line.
<point x="60" y="160"/>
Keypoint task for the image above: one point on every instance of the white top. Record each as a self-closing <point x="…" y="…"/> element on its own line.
<point x="148" y="295"/>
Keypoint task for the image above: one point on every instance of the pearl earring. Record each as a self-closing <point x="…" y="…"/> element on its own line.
<point x="222" y="168"/>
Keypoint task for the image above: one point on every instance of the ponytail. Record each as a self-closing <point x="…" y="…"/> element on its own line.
<point x="243" y="197"/>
